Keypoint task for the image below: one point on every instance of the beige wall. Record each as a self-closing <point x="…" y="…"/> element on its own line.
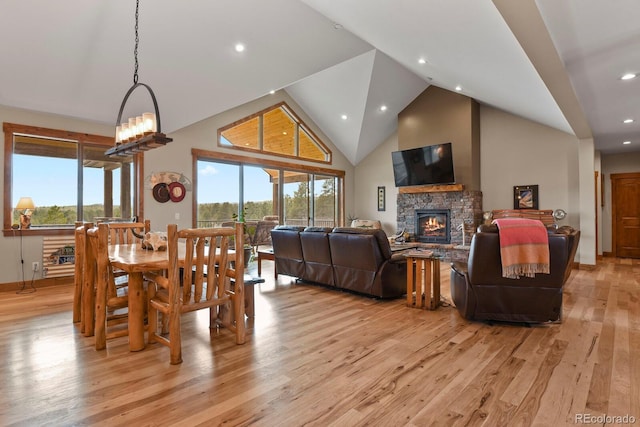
<point x="514" y="151"/>
<point x="373" y="171"/>
<point x="614" y="163"/>
<point x="176" y="156"/>
<point x="10" y="267"/>
<point x="437" y="116"/>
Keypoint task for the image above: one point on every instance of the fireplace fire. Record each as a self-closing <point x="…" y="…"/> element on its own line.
<point x="433" y="225"/>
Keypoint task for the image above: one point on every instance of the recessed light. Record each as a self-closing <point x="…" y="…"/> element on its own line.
<point x="628" y="76"/>
<point x="344" y="117"/>
<point x="271" y="92"/>
<point x="458" y="88"/>
<point x="383" y="108"/>
<point x="627" y="121"/>
<point x="239" y="47"/>
<point x="626" y="143"/>
<point x="422" y="61"/>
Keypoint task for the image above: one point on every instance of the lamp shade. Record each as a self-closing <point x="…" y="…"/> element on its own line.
<point x="25" y="203"/>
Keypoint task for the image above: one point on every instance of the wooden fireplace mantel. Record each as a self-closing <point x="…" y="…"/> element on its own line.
<point x="430" y="188"/>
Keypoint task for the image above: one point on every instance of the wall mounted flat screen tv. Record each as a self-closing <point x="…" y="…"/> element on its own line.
<point x="432" y="164"/>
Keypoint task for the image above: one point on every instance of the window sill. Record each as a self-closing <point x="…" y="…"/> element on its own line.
<point x="39" y="231"/>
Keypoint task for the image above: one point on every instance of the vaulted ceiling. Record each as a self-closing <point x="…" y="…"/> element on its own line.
<point x="555" y="62"/>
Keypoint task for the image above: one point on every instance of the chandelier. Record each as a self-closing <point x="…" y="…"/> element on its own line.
<point x="143" y="132"/>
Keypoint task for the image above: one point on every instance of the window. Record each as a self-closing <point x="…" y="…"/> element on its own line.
<point x="225" y="184"/>
<point x="276" y="130"/>
<point x="68" y="177"/>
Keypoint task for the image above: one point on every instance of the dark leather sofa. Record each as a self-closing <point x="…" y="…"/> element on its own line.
<point x="480" y="292"/>
<point x="354" y="259"/>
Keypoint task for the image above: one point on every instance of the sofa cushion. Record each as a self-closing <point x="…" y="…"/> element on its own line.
<point x="378" y="234"/>
<point x="317" y="256"/>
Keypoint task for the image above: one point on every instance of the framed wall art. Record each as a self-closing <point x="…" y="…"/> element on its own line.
<point x="381" y="198"/>
<point x="525" y="197"/>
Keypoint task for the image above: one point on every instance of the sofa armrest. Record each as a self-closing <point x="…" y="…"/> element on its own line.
<point x="459" y="268"/>
<point x="397" y="258"/>
<point x="461" y="293"/>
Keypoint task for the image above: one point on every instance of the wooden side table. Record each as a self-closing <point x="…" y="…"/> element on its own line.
<point x="249" y="292"/>
<point x="268" y="255"/>
<point x="423" y="276"/>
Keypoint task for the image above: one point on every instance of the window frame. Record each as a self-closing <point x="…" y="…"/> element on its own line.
<point x="300" y="126"/>
<point x="205" y="155"/>
<point x="10" y="129"/>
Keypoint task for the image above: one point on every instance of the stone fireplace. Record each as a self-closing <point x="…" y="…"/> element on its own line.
<point x="433" y="225"/>
<point x="434" y="117"/>
<point x="464" y="206"/>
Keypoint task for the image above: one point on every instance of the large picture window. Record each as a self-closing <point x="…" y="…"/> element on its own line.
<point x="67" y="176"/>
<point x="226" y="185"/>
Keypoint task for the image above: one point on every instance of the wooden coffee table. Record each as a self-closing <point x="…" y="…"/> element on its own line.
<point x="268" y="255"/>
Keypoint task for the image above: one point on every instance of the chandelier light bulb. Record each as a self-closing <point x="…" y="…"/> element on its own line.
<point x="149" y="123"/>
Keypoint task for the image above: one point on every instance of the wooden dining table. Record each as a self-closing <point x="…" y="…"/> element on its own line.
<point x="135" y="261"/>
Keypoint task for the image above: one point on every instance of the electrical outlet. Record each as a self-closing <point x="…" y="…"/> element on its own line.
<point x="35" y="266"/>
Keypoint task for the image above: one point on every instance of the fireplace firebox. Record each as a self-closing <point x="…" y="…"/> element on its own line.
<point x="433" y="225"/>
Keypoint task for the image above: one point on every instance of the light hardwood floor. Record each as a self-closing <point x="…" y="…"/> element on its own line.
<point x="321" y="357"/>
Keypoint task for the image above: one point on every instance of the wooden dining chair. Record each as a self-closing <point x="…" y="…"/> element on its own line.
<point x="201" y="280"/>
<point x="110" y="304"/>
<point x="79" y="250"/>
<point x="119" y="232"/>
<point x="123" y="233"/>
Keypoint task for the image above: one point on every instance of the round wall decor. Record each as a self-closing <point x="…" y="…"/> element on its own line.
<point x="161" y="192"/>
<point x="176" y="191"/>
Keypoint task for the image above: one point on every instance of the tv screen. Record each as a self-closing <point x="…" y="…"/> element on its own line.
<point x="422" y="166"/>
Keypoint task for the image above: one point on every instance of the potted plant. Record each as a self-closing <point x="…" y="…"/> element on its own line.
<point x="249" y="231"/>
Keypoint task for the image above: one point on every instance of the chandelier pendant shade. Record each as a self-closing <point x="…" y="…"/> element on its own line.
<point x="140" y="133"/>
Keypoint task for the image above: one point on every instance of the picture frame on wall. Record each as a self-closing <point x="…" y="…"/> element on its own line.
<point x="525" y="197"/>
<point x="381" y="198"/>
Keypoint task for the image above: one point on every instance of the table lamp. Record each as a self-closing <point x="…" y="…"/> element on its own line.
<point x="26" y="205"/>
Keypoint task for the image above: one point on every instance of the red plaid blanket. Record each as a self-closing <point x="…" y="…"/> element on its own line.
<point x="524" y="247"/>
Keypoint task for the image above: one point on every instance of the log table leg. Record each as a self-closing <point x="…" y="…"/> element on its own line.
<point x="136" y="312"/>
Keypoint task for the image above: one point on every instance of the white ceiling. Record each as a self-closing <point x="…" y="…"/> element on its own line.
<point x="334" y="57"/>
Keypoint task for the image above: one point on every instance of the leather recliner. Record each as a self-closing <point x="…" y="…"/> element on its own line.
<point x="317" y="255"/>
<point x="479" y="291"/>
<point x="287" y="250"/>
<point x="363" y="262"/>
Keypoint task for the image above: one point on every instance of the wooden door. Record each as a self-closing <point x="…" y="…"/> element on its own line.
<point x="625" y="196"/>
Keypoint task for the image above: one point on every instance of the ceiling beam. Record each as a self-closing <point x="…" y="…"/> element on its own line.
<point x="527" y="25"/>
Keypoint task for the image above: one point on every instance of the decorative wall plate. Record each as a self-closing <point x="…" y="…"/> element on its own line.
<point x="176" y="191"/>
<point x="167" y="177"/>
<point x="161" y="192"/>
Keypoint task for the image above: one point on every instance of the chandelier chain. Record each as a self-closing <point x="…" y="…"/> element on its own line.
<point x="135" y="49"/>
